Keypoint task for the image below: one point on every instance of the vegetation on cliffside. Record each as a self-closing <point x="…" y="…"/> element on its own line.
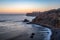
<point x="49" y="18"/>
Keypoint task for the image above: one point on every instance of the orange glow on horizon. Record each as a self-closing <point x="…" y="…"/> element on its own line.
<point x="22" y="10"/>
<point x="27" y="6"/>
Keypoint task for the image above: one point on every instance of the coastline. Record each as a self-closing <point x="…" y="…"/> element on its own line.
<point x="55" y="31"/>
<point x="49" y="19"/>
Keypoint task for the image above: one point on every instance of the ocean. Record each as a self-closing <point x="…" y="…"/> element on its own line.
<point x="12" y="28"/>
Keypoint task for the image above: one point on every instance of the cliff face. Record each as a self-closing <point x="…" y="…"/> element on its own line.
<point x="49" y="18"/>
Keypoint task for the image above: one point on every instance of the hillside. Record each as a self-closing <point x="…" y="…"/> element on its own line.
<point x="49" y="18"/>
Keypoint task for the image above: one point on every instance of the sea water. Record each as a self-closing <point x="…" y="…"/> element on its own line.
<point x="12" y="28"/>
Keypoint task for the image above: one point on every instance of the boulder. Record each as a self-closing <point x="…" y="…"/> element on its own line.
<point x="25" y="20"/>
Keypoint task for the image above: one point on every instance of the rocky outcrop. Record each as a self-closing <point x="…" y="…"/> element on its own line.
<point x="49" y="18"/>
<point x="25" y="20"/>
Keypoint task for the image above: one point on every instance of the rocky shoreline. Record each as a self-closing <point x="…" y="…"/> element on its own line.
<point x="55" y="31"/>
<point x="51" y="20"/>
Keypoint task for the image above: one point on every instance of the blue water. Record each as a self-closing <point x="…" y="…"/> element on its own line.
<point x="12" y="27"/>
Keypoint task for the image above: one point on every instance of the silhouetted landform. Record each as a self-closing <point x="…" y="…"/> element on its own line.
<point x="33" y="14"/>
<point x="25" y="20"/>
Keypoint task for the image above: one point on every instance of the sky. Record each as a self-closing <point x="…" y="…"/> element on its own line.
<point x="25" y="6"/>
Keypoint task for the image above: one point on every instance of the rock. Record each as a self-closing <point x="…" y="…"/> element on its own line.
<point x="32" y="35"/>
<point x="51" y="20"/>
<point x="29" y="23"/>
<point x="25" y="20"/>
<point x="56" y="34"/>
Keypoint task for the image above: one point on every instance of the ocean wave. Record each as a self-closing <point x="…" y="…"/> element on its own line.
<point x="10" y="21"/>
<point x="3" y="20"/>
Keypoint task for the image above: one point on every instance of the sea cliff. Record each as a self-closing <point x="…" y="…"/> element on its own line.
<point x="51" y="20"/>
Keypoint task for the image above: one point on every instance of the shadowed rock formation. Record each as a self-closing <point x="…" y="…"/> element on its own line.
<point x="25" y="20"/>
<point x="49" y="18"/>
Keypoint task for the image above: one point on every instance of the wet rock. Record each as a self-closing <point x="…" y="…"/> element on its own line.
<point x="32" y="35"/>
<point x="25" y="20"/>
<point x="51" y="20"/>
<point x="55" y="34"/>
<point x="29" y="23"/>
